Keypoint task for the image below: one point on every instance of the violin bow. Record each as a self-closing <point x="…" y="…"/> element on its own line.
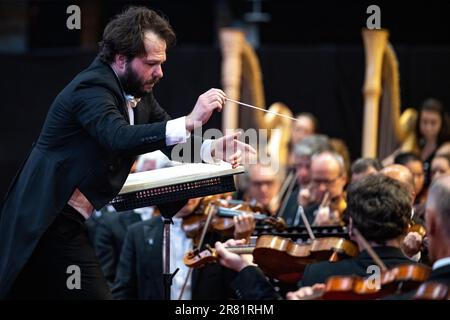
<point x="261" y="109"/>
<point x="306" y="222"/>
<point x="370" y="250"/>
<point x="286" y="189"/>
<point x="200" y="244"/>
<point x="326" y="200"/>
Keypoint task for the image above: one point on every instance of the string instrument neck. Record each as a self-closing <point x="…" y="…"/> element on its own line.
<point x="230" y="213"/>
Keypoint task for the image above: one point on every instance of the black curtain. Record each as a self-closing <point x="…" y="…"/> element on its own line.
<point x="324" y="80"/>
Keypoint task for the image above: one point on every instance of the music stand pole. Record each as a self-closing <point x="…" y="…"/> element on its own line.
<point x="167" y="276"/>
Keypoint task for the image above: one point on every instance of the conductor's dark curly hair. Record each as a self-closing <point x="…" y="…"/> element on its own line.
<point x="124" y="34"/>
<point x="380" y="207"/>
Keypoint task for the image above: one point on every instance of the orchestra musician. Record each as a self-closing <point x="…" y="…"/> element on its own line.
<point x="95" y="127"/>
<point x="139" y="272"/>
<point x="378" y="206"/>
<point x="112" y="227"/>
<point x="264" y="185"/>
<point x="438" y="232"/>
<point x="363" y="167"/>
<point x="302" y="154"/>
<point x="328" y="179"/>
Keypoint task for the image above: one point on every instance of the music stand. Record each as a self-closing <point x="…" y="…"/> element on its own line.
<point x="168" y="210"/>
<point x="149" y="188"/>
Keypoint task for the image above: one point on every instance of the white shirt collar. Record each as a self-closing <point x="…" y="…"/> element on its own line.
<point x="441" y="263"/>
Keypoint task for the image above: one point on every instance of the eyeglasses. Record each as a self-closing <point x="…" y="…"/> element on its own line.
<point x="259" y="184"/>
<point x="326" y="182"/>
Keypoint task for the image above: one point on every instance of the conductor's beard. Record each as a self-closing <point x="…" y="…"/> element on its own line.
<point x="135" y="85"/>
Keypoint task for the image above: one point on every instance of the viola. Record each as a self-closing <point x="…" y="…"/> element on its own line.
<point x="281" y="258"/>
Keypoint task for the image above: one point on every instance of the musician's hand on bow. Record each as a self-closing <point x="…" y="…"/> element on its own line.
<point x="231" y="260"/>
<point x="244" y="225"/>
<point x="323" y="217"/>
<point x="412" y="243"/>
<point x="305" y="293"/>
<point x="304" y="197"/>
<point x="211" y="100"/>
<point x="228" y="148"/>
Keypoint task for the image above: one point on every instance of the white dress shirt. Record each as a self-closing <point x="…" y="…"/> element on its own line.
<point x="179" y="245"/>
<point x="441" y="263"/>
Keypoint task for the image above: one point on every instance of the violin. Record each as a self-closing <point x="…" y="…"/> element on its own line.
<point x="399" y="279"/>
<point x="417" y="227"/>
<point x="334" y="207"/>
<point x="281" y="258"/>
<point x="223" y="218"/>
<point x="432" y="291"/>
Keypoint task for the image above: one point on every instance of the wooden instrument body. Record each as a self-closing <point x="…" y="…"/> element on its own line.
<point x="282" y="258"/>
<point x="399" y="279"/>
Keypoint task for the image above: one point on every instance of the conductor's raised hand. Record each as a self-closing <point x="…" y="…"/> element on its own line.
<point x="211" y="100"/>
<point x="228" y="148"/>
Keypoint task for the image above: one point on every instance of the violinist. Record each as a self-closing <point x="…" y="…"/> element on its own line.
<point x="328" y="179"/>
<point x="302" y="153"/>
<point x="264" y="185"/>
<point x="139" y="272"/>
<point x="413" y="242"/>
<point x="415" y="165"/>
<point x="363" y="167"/>
<point x="438" y="232"/>
<point x="378" y="206"/>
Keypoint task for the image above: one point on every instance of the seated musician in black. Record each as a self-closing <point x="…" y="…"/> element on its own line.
<point x="264" y="185"/>
<point x="437" y="217"/>
<point x="139" y="272"/>
<point x="112" y="226"/>
<point x="364" y="167"/>
<point x="302" y="153"/>
<point x="328" y="180"/>
<point x="413" y="244"/>
<point x="378" y="206"/>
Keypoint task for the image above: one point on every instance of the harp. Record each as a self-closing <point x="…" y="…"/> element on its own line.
<point x="242" y="80"/>
<point x="382" y="106"/>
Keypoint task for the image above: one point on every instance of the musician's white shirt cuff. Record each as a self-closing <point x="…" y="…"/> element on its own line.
<point x="176" y="131"/>
<point x="205" y="152"/>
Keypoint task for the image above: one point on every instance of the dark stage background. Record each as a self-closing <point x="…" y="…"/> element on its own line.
<point x="311" y="56"/>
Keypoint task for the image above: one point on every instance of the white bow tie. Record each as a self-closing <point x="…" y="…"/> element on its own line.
<point x="132" y="101"/>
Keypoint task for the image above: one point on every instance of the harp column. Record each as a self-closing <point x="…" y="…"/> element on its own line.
<point x="231" y="44"/>
<point x="375" y="42"/>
